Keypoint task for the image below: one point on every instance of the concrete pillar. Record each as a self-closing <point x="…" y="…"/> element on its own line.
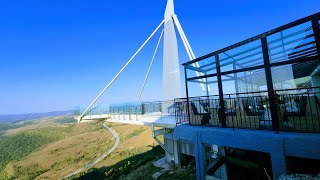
<point x="199" y="156"/>
<point x="278" y="161"/>
<point x="176" y="153"/>
<point x="172" y="146"/>
<point x="168" y="143"/>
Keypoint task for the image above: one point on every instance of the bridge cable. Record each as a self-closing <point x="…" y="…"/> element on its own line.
<point x="189" y="49"/>
<point x="150" y="66"/>
<point x="104" y="90"/>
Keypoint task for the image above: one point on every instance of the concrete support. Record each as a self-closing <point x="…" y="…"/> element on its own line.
<point x="176" y="153"/>
<point x="278" y="160"/>
<point x="172" y="146"/>
<point x="278" y="145"/>
<point x="155" y="133"/>
<point x="168" y="143"/>
<point x="199" y="156"/>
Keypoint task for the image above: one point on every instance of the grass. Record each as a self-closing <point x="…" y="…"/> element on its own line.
<point x="66" y="120"/>
<point x="137" y="132"/>
<point x="37" y="151"/>
<point x="134" y="158"/>
<point x="14" y="147"/>
<point x="17" y="146"/>
<point x="138" y="167"/>
<point x="125" y="169"/>
<point x="53" y="148"/>
<point x="186" y="172"/>
<point x="7" y="126"/>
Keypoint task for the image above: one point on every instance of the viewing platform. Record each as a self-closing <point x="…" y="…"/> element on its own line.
<point x="158" y="114"/>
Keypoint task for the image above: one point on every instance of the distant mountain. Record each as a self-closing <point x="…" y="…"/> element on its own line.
<point x="24" y="117"/>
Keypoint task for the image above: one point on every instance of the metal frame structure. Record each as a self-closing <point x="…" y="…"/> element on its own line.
<point x="261" y="54"/>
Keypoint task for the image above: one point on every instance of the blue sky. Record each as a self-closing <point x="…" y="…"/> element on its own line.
<point x="55" y="55"/>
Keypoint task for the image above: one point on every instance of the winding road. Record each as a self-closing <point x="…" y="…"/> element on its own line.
<point x="91" y="164"/>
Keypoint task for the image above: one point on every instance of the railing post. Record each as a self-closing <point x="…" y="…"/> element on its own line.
<point x="271" y="92"/>
<point x="316" y="32"/>
<point x="187" y="93"/>
<point x="222" y="109"/>
<point x="143" y="108"/>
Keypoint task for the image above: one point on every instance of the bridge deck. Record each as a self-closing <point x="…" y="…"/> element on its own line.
<point x="155" y="119"/>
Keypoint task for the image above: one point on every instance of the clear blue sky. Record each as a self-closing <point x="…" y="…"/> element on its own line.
<point x="58" y="54"/>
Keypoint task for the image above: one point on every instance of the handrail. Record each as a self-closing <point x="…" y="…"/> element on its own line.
<point x="297" y="112"/>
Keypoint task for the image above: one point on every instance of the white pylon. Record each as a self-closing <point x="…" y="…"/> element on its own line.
<point x="171" y="82"/>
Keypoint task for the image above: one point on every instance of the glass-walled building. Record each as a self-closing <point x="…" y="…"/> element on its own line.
<point x="270" y="81"/>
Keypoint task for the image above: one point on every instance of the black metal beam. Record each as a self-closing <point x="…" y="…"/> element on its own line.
<point x="296" y="60"/>
<point x="268" y="33"/>
<point x="187" y="93"/>
<point x="221" y="111"/>
<point x="303" y="50"/>
<point x="215" y="165"/>
<point x="271" y="93"/>
<point x="306" y="54"/>
<point x="291" y="61"/>
<point x="316" y="31"/>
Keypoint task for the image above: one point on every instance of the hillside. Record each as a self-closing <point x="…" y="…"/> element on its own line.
<point x="134" y="158"/>
<point x="50" y="148"/>
<point x="9" y="118"/>
<point x="54" y="147"/>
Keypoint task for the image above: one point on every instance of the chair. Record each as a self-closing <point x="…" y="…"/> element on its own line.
<point x="305" y="118"/>
<point x="198" y="118"/>
<point x="254" y="110"/>
<point x="251" y="107"/>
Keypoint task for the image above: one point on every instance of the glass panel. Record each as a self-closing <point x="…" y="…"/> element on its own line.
<point x="292" y="43"/>
<point x="208" y="86"/>
<point x="213" y="86"/>
<point x="298" y="75"/>
<point x="209" y="65"/>
<point x="203" y="67"/>
<point x="243" y="82"/>
<point x="245" y="56"/>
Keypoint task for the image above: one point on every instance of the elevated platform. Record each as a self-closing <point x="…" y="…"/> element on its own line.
<point x="156" y="119"/>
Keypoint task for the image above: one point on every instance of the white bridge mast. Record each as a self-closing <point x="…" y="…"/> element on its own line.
<point x="171" y="73"/>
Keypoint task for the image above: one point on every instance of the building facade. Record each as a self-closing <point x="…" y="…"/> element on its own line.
<point x="260" y="111"/>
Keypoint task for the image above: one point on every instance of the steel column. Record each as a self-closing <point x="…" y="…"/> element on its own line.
<point x="187" y="92"/>
<point x="221" y="99"/>
<point x="316" y="32"/>
<point x="271" y="92"/>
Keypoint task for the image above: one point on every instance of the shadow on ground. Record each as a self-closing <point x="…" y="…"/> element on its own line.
<point x="139" y="166"/>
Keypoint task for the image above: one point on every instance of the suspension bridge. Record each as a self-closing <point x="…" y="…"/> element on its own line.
<point x="162" y="113"/>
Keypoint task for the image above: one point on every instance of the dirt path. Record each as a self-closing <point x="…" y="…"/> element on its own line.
<point x="91" y="164"/>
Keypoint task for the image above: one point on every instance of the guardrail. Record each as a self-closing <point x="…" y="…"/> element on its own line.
<point x="156" y="108"/>
<point x="297" y="110"/>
